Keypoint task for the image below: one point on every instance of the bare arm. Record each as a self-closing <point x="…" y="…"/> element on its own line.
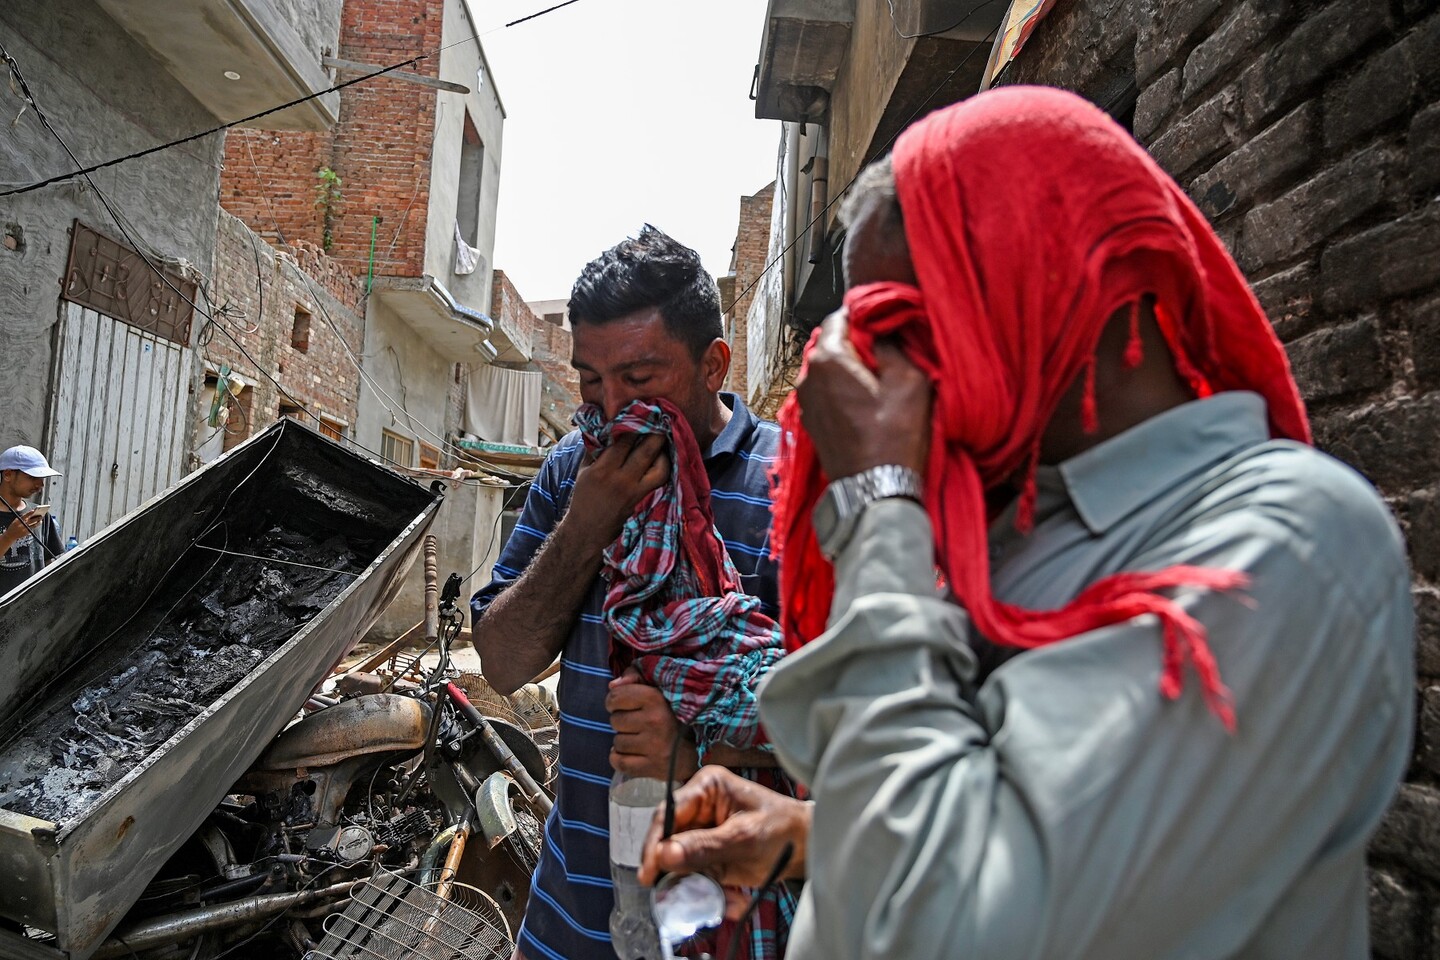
<point x="527" y="625"/>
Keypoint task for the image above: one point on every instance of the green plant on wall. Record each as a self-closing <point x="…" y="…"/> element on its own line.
<point x="327" y="199"/>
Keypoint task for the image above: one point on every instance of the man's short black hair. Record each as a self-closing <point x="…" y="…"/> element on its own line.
<point x="651" y="270"/>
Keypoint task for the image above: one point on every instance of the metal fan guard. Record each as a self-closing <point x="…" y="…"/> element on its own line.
<point x="532" y="716"/>
<point x="392" y="918"/>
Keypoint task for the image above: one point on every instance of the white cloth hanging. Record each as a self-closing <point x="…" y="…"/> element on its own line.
<point x="467" y="258"/>
<point x="503" y="405"/>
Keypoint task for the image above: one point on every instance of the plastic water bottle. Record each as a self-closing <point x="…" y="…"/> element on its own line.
<point x="72" y="543"/>
<point x="632" y="924"/>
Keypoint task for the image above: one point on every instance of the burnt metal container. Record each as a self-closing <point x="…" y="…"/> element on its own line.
<point x="98" y="609"/>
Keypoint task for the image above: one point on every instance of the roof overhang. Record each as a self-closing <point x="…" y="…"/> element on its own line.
<point x="975" y="21"/>
<point x="801" y="51"/>
<point x="199" y="41"/>
<point x="451" y="329"/>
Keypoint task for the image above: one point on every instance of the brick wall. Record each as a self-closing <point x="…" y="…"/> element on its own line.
<point x="1309" y="132"/>
<point x="552" y="355"/>
<point x="507" y="306"/>
<point x="259" y="305"/>
<point x="380" y="149"/>
<point x="549" y="353"/>
<point x="752" y="247"/>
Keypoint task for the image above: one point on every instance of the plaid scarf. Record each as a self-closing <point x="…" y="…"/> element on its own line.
<point x="674" y="610"/>
<point x="672" y="605"/>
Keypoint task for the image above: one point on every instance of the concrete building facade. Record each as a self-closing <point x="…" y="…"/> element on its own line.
<point x="401" y="195"/>
<point x="844" y="77"/>
<point x="101" y="350"/>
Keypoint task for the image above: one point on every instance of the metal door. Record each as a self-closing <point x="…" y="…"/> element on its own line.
<point x="118" y="426"/>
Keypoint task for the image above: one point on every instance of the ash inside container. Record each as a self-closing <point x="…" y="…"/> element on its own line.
<point x="216" y="616"/>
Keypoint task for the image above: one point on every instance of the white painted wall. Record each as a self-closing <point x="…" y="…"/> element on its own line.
<point x="463" y="62"/>
<point x="416" y="378"/>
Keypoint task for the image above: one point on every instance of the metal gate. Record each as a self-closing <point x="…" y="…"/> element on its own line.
<point x="118" y="426"/>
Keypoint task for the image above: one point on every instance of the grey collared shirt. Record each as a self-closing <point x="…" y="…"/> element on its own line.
<point x="1060" y="807"/>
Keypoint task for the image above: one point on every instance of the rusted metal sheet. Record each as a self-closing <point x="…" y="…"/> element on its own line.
<point x="107" y="276"/>
<point x="78" y="878"/>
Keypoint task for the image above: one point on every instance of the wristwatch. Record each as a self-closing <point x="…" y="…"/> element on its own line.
<point x="838" y="511"/>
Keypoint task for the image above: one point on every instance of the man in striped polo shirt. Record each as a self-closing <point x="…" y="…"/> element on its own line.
<point x="646" y="323"/>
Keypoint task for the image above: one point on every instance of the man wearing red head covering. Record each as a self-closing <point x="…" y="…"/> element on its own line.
<point x="1160" y="696"/>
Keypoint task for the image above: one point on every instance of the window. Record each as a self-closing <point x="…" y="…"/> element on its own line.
<point x="292" y="410"/>
<point x="397" y="449"/>
<point x="467" y="204"/>
<point x="333" y="429"/>
<point x="429" y="456"/>
<point x="300" y="332"/>
<point x="556" y="318"/>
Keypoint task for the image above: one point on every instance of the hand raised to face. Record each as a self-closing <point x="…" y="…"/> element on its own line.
<point x="610" y="485"/>
<point x="858" y="418"/>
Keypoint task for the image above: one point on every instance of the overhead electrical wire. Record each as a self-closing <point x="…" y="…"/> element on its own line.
<point x="541" y="13"/>
<point x="84" y="170"/>
<point x="212" y="315"/>
<point x="933" y="33"/>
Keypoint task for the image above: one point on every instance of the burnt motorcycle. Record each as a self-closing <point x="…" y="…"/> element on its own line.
<point x="397" y="823"/>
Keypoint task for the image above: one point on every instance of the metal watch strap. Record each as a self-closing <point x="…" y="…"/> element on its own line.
<point x="849" y="496"/>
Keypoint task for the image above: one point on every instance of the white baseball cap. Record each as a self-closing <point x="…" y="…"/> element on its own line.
<point x="27" y="460"/>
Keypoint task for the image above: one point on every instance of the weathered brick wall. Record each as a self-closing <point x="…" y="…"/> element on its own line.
<point x="507" y="306"/>
<point x="1309" y="132"/>
<point x="549" y="348"/>
<point x="752" y="247"/>
<point x="258" y="306"/>
<point x="269" y="181"/>
<point x="380" y="149"/>
<point x="551" y="353"/>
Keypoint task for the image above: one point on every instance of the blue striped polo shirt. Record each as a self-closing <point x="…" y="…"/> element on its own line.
<point x="568" y="916"/>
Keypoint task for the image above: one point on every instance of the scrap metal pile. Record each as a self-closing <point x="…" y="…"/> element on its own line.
<point x="396" y="818"/>
<point x="185" y="773"/>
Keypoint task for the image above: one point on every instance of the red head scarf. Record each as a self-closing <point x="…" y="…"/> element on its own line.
<point x="1031" y="219"/>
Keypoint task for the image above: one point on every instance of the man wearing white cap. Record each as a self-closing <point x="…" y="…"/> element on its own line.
<point x="23" y="472"/>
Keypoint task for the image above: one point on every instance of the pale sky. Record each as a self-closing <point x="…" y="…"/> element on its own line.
<point x="619" y="113"/>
